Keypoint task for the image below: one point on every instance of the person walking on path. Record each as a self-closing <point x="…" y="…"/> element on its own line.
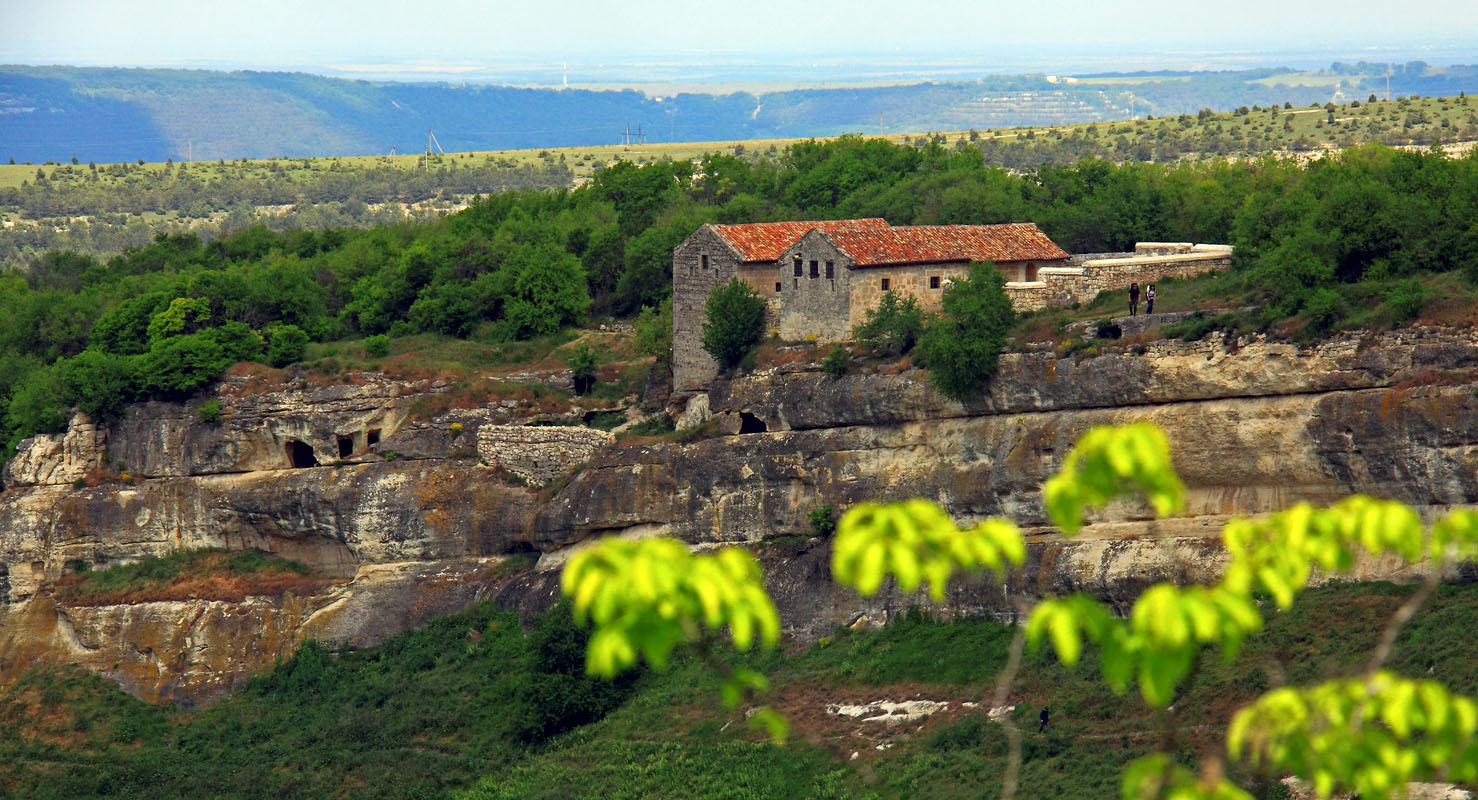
<point x="1043" y="717"/>
<point x="1149" y="300"/>
<point x="1134" y="298"/>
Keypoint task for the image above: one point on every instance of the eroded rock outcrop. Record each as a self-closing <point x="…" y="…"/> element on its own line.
<point x="416" y="522"/>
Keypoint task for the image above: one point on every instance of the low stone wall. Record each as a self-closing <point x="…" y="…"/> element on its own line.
<point x="538" y="455"/>
<point x="1151" y="261"/>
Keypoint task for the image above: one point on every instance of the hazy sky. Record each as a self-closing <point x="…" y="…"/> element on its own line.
<point x="322" y="33"/>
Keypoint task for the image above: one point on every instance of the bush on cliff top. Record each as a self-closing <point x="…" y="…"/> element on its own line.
<point x="961" y="348"/>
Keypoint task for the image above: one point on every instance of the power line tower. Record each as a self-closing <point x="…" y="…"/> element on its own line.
<point x="431" y="140"/>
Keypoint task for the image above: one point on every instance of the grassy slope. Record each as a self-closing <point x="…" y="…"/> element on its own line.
<point x="1389" y="117"/>
<point x="427" y="715"/>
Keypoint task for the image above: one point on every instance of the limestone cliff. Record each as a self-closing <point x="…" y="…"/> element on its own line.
<point x="415" y="515"/>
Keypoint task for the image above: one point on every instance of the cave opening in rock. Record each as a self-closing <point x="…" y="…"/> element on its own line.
<point x="749" y="423"/>
<point x="346" y="446"/>
<point x="372" y="437"/>
<point x="4" y="584"/>
<point x="300" y="455"/>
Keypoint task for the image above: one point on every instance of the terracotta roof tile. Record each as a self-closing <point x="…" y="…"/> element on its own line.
<point x="924" y="244"/>
<point x="767" y="241"/>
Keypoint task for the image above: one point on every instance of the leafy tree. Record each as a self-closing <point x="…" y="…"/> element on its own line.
<point x="961" y="348"/>
<point x="891" y="329"/>
<point x="285" y="345"/>
<point x="547" y="290"/>
<point x="177" y="366"/>
<point x="100" y="384"/>
<point x="735" y="322"/>
<point x="582" y="362"/>
<point x="654" y="330"/>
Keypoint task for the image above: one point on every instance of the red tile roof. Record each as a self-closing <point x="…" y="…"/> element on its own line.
<point x="767" y="241"/>
<point x="925" y="244"/>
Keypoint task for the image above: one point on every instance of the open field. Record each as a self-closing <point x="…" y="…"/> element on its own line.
<point x="1421" y="119"/>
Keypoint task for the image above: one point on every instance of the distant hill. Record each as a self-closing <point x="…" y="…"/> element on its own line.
<point x="110" y="115"/>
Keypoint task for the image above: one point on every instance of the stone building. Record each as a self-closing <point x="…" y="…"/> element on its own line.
<point x="833" y="276"/>
<point x="819" y="279"/>
<point x="712" y="256"/>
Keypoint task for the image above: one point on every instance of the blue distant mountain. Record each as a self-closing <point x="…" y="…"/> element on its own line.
<point x="109" y="115"/>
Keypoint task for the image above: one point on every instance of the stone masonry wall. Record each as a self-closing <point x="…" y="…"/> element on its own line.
<point x="692" y="367"/>
<point x="814" y="308"/>
<point x="1061" y="286"/>
<point x="538" y="455"/>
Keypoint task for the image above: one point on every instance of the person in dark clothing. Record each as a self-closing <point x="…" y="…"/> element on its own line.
<point x="1043" y="717"/>
<point x="1134" y="298"/>
<point x="1149" y="300"/>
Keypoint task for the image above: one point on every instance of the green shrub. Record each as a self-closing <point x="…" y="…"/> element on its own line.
<point x="836" y="362"/>
<point x="582" y="362"/>
<point x="1404" y="298"/>
<point x="98" y="383"/>
<point x="823" y="522"/>
<point x="654" y="330"/>
<point x="209" y="412"/>
<point x="377" y="346"/>
<point x="893" y="328"/>
<point x="286" y="345"/>
<point x="961" y="348"/>
<point x="736" y="321"/>
<point x="178" y="365"/>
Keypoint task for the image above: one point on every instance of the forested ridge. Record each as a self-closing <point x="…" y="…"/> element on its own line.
<point x="100" y="209"/>
<point x="57" y="112"/>
<point x="1321" y="242"/>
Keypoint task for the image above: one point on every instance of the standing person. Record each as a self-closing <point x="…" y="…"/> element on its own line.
<point x="1149" y="300"/>
<point x="1134" y="298"/>
<point x="1043" y="717"/>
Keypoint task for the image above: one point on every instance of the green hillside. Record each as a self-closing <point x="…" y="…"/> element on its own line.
<point x="472" y="707"/>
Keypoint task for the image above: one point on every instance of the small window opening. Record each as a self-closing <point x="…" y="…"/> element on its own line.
<point x="300" y="455"/>
<point x="885" y="284"/>
<point x="815" y="269"/>
<point x="749" y="423"/>
<point x="372" y="437"/>
<point x="777" y="287"/>
<point x="1031" y="271"/>
<point x="831" y="269"/>
<point x="346" y="446"/>
<point x="704" y="258"/>
<point x="797" y="262"/>
<point x="795" y="284"/>
<point x="933" y="281"/>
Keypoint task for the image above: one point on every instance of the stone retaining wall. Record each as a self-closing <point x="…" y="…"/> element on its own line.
<point x="1151" y="261"/>
<point x="538" y="455"/>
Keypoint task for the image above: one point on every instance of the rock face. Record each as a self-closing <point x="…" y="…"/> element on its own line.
<point x="1254" y="426"/>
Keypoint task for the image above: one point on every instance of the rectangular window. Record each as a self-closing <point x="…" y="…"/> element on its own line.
<point x="704" y="258"/>
<point x="795" y="284"/>
<point x="885" y="284"/>
<point x="815" y="269"/>
<point x="777" y="287"/>
<point x="933" y="281"/>
<point x="831" y="269"/>
<point x="797" y="266"/>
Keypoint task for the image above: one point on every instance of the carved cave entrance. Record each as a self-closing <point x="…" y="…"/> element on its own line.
<point x="749" y="423"/>
<point x="300" y="455"/>
<point x="346" y="446"/>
